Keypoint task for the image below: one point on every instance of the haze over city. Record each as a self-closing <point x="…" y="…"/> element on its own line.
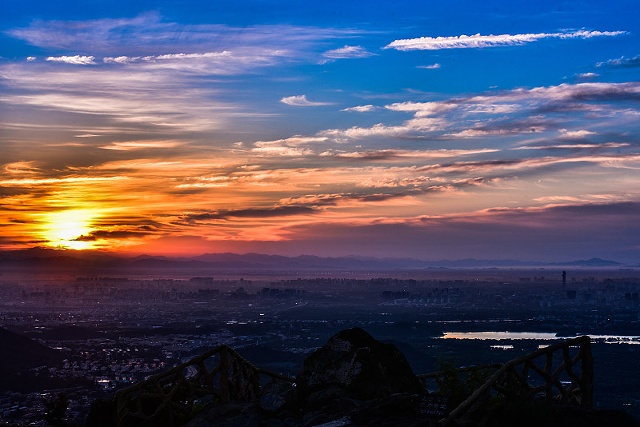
<point x="387" y="129"/>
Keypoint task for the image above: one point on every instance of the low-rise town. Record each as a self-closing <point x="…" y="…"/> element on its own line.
<point x="112" y="332"/>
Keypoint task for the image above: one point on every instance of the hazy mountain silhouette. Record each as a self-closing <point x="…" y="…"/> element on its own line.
<point x="593" y="262"/>
<point x="94" y="262"/>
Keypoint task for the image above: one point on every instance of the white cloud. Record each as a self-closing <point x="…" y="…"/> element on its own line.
<point x="120" y="59"/>
<point x="515" y="112"/>
<point x="343" y="135"/>
<point x="481" y="108"/>
<point x="360" y="108"/>
<point x="430" y="67"/>
<point x="587" y="75"/>
<point x="281" y="151"/>
<point x="575" y="134"/>
<point x="347" y="52"/>
<point x="75" y="60"/>
<point x="421" y="109"/>
<point x="288" y="147"/>
<point x="482" y="41"/>
<point x="399" y="154"/>
<point x="173" y="56"/>
<point x="565" y="93"/>
<point x="293" y="141"/>
<point x="417" y="125"/>
<point x="31" y="58"/>
<point x="301" y="101"/>
<point x="167" y="57"/>
<point x="474" y="133"/>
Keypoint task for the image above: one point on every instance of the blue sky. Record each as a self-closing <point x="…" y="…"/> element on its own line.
<point x="398" y="128"/>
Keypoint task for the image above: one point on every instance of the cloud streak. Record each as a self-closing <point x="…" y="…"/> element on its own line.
<point x="484" y="41"/>
<point x="302" y="101"/>
<point x="347" y="52"/>
<point x="148" y="33"/>
<point x="430" y="67"/>
<point x="75" y="60"/>
<point x="622" y="62"/>
<point x="361" y="108"/>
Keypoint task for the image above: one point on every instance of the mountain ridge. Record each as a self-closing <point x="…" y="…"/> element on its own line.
<point x="49" y="259"/>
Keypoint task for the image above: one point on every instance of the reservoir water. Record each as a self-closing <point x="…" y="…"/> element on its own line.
<point x="539" y="336"/>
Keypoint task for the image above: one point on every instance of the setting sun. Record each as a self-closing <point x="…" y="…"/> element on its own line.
<point x="63" y="229"/>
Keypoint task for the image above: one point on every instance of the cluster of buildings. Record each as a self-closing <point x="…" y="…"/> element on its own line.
<point x="128" y="330"/>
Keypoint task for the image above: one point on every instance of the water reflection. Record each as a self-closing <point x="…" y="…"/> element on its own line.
<point x="539" y="336"/>
<point x="497" y="336"/>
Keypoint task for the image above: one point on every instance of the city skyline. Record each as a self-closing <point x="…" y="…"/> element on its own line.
<point x="389" y="129"/>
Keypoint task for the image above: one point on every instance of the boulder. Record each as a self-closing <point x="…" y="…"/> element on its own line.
<point x="276" y="394"/>
<point x="363" y="366"/>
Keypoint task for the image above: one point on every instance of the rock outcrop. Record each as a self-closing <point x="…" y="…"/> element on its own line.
<point x="361" y="365"/>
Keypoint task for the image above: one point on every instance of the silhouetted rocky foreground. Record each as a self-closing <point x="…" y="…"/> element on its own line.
<point x="355" y="380"/>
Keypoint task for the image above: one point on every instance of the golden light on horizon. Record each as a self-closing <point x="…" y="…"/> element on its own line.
<point x="64" y="228"/>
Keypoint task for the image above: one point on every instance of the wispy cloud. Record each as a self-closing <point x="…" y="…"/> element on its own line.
<point x="166" y="57"/>
<point x="271" y="212"/>
<point x="302" y="101"/>
<point x="21" y="168"/>
<point x="75" y="60"/>
<point x="140" y="145"/>
<point x="405" y="155"/>
<point x="430" y="67"/>
<point x="289" y="147"/>
<point x="422" y="109"/>
<point x="483" y="41"/>
<point x="622" y="62"/>
<point x="576" y="134"/>
<point x="348" y="52"/>
<point x="579" y="146"/>
<point x="148" y="33"/>
<point x="517" y="112"/>
<point x="224" y="62"/>
<point x="361" y="108"/>
<point x="138" y="99"/>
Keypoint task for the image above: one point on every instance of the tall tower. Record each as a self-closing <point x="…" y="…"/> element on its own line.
<point x="564" y="278"/>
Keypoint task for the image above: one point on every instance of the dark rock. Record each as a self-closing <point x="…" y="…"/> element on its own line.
<point x="235" y="414"/>
<point x="365" y="367"/>
<point x="101" y="414"/>
<point x="535" y="413"/>
<point x="276" y="395"/>
<point x="331" y="400"/>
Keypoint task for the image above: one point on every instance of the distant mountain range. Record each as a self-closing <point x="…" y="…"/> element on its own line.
<point x="84" y="262"/>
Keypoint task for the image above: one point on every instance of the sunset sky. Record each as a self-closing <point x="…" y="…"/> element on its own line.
<point x="432" y="130"/>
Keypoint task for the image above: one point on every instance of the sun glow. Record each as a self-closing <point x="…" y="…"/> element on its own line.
<point x="64" y="229"/>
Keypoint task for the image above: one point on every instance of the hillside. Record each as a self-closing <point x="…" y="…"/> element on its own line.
<point x="17" y="355"/>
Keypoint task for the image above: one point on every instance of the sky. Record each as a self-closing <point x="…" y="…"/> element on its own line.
<point x="430" y="130"/>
